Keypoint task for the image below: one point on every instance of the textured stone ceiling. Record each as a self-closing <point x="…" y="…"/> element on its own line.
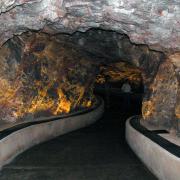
<point x="152" y="22"/>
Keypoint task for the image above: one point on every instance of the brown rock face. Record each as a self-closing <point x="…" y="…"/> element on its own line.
<point x="175" y="58"/>
<point x="41" y="77"/>
<point x="161" y="103"/>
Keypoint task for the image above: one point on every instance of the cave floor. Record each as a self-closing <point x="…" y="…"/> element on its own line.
<point x="98" y="152"/>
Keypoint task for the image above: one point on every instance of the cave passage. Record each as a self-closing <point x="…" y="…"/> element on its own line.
<point x="46" y="75"/>
<point x="95" y="152"/>
<point x="52" y="76"/>
<point x="59" y="59"/>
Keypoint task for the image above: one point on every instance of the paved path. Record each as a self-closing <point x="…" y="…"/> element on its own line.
<point x="98" y="152"/>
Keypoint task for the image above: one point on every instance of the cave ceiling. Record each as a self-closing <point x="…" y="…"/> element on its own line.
<point x="155" y="23"/>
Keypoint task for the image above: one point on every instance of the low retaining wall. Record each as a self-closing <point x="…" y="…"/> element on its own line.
<point x="19" y="138"/>
<point x="160" y="155"/>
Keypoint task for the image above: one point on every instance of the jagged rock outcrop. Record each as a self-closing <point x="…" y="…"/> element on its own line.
<point x="155" y="23"/>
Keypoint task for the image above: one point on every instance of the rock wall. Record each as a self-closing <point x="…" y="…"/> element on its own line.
<point x="175" y="59"/>
<point x="161" y="97"/>
<point x="41" y="77"/>
<point x="152" y="22"/>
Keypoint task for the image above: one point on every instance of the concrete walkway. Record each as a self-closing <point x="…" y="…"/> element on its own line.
<point x="98" y="152"/>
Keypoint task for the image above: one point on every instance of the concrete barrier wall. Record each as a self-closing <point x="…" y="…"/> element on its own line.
<point x="163" y="164"/>
<point x="24" y="138"/>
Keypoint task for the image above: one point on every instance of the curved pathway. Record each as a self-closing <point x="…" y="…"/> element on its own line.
<point x="98" y="152"/>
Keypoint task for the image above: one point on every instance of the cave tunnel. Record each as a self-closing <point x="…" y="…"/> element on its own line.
<point x="88" y="92"/>
<point x="46" y="76"/>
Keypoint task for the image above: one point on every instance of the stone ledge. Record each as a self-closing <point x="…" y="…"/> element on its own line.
<point x="158" y="154"/>
<point x="20" y="138"/>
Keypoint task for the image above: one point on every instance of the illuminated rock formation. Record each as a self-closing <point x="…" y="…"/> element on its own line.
<point x="119" y="72"/>
<point x="41" y="77"/>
